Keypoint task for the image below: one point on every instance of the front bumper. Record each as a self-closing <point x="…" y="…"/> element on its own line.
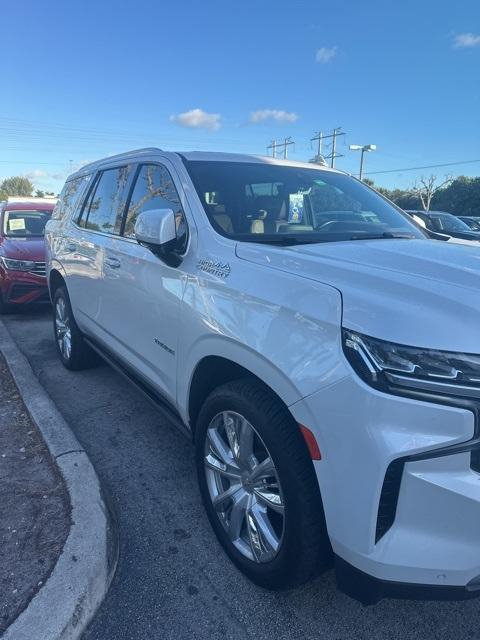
<point x="20" y="287"/>
<point x="369" y="590"/>
<point x="431" y="540"/>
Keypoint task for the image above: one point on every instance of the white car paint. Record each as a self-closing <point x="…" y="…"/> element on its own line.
<point x="279" y="314"/>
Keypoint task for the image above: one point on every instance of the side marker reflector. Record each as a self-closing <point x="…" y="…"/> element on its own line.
<point x="312" y="445"/>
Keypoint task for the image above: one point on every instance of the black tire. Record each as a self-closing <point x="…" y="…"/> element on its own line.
<point x="80" y="355"/>
<point x="305" y="548"/>
<point x="6" y="308"/>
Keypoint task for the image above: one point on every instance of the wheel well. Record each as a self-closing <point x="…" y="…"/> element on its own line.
<point x="211" y="372"/>
<point x="56" y="280"/>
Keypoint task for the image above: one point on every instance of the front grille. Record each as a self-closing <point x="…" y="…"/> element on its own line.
<point x="39" y="269"/>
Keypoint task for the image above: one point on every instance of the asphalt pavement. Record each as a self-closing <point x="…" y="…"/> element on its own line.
<point x="173" y="580"/>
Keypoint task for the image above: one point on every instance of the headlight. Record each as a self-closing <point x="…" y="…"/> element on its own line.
<point x="386" y="364"/>
<point x="18" y="265"/>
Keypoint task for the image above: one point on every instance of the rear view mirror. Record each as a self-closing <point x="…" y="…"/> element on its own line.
<point x="156" y="230"/>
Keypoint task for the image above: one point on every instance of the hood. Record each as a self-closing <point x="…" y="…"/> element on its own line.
<point x="422" y="293"/>
<point x="464" y="235"/>
<point x="23" y="248"/>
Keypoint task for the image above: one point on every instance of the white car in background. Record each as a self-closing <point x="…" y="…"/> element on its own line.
<point x="321" y="351"/>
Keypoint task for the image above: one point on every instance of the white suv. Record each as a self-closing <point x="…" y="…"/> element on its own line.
<point x="318" y="347"/>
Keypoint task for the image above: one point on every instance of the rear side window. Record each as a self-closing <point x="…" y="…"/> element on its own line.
<point x="104" y="208"/>
<point x="70" y="197"/>
<point x="154" y="189"/>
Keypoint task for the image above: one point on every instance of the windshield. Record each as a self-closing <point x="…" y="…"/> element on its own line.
<point x="473" y="224"/>
<point x="448" y="222"/>
<point x="20" y="224"/>
<point x="272" y="203"/>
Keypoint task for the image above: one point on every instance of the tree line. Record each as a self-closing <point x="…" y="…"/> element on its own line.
<point x="19" y="186"/>
<point x="460" y="196"/>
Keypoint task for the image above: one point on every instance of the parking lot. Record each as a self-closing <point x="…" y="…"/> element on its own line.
<point x="173" y="580"/>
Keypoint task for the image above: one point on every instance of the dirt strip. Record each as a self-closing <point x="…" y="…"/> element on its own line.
<point x="34" y="505"/>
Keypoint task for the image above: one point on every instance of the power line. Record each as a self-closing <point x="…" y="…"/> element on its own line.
<point x="286" y="143"/>
<point x="427" y="166"/>
<point x="274" y="145"/>
<point x="16" y="129"/>
<point x="34" y="162"/>
<point x="318" y="137"/>
<point x="333" y="155"/>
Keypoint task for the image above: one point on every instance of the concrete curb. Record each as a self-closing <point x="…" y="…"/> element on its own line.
<point x="81" y="577"/>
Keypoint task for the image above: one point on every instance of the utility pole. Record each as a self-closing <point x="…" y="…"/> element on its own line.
<point x="334" y="146"/>
<point x="273" y="146"/>
<point x="286" y="143"/>
<point x="319" y="138"/>
<point x="276" y="146"/>
<point x="336" y="132"/>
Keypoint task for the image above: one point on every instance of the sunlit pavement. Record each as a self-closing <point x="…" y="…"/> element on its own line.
<point x="173" y="580"/>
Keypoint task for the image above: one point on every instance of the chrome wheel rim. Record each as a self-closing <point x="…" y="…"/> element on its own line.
<point x="62" y="328"/>
<point x="244" y="487"/>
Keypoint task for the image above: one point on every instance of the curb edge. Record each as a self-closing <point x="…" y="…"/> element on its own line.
<point x="80" y="579"/>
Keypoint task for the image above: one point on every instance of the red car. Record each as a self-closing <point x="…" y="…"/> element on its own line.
<point x="22" y="251"/>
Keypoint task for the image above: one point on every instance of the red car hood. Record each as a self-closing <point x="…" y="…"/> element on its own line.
<point x="23" y="248"/>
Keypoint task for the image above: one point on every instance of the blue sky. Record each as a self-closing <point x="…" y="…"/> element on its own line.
<point x="84" y="80"/>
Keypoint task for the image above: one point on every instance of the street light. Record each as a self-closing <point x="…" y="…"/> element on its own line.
<point x="365" y="148"/>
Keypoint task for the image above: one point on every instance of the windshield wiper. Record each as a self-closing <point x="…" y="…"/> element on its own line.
<point x="386" y="235"/>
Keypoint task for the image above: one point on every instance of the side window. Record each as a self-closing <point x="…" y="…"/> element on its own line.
<point x="436" y="224"/>
<point x="70" y="197"/>
<point x="154" y="189"/>
<point x="104" y="208"/>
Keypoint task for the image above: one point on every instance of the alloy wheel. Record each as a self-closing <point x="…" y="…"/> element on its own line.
<point x="244" y="487"/>
<point x="63" y="331"/>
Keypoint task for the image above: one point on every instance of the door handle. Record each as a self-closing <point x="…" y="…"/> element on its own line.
<point x="71" y="246"/>
<point x="113" y="263"/>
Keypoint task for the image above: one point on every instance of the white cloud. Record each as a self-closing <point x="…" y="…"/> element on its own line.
<point x="325" y="54"/>
<point x="198" y="119"/>
<point x="462" y="40"/>
<point x="37" y="174"/>
<point x="272" y="114"/>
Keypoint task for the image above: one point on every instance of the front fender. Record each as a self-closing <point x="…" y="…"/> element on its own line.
<point x="291" y="339"/>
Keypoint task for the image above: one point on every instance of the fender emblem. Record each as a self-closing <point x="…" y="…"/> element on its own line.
<point x="164" y="346"/>
<point x="220" y="269"/>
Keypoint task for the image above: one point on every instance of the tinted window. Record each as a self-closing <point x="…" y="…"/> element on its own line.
<point x="70" y="197"/>
<point x="310" y="204"/>
<point x="21" y="224"/>
<point x="154" y="189"/>
<point x="447" y="222"/>
<point x="473" y="224"/>
<point x="105" y="205"/>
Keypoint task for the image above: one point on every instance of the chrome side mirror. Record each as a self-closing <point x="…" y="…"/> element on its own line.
<point x="156" y="230"/>
<point x="155" y="227"/>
